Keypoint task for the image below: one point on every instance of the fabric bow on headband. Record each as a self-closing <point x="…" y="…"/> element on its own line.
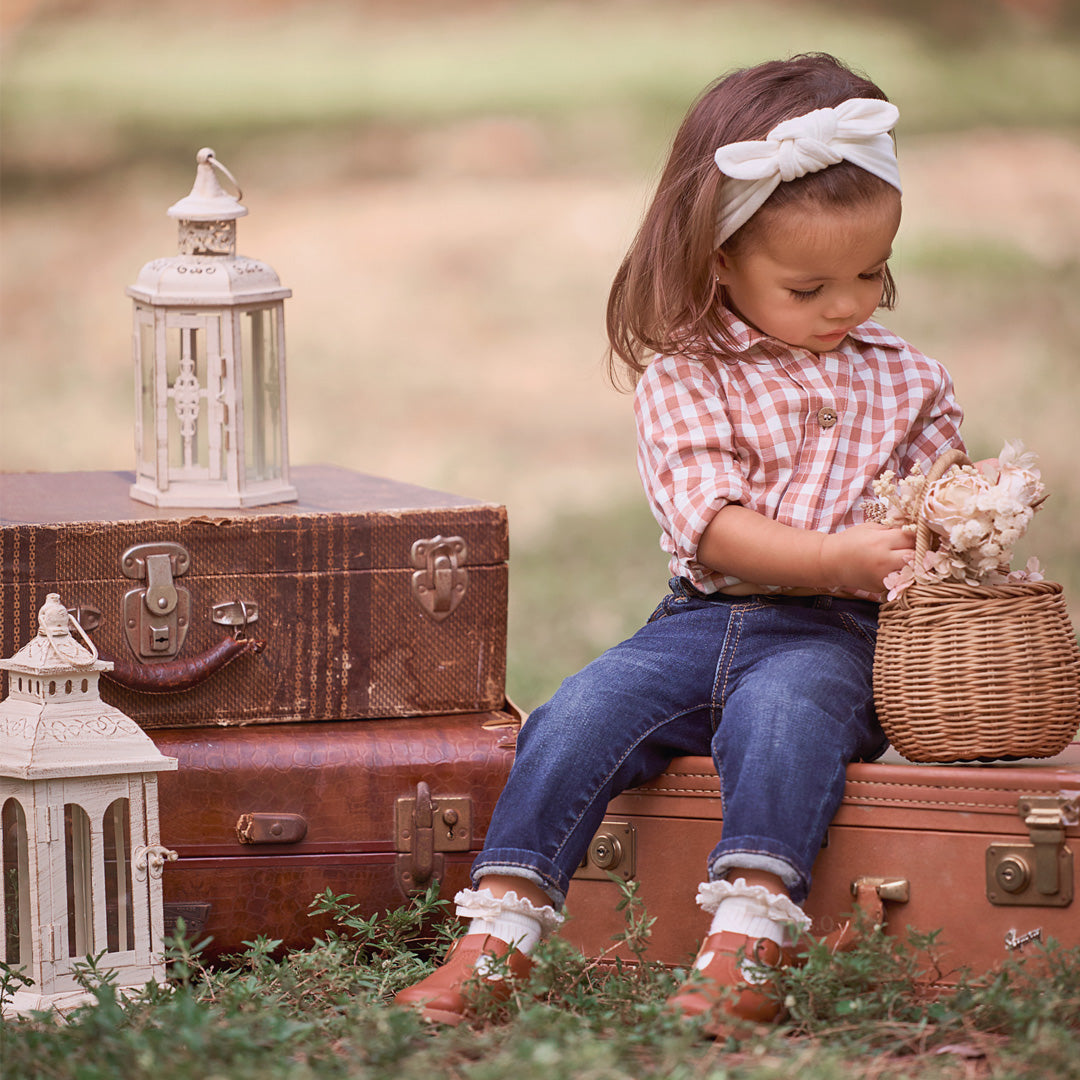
<point x="856" y="130"/>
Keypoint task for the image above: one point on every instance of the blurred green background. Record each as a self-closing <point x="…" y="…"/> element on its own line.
<point x="448" y="189"/>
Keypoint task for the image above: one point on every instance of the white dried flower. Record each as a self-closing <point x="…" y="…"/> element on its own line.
<point x="977" y="519"/>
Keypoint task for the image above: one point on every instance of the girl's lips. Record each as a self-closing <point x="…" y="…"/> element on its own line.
<point x="836" y="335"/>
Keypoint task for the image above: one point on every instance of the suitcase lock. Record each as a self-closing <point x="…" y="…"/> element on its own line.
<point x="156" y="616"/>
<point x="440" y="581"/>
<point x="425" y="828"/>
<point x="612" y="852"/>
<point x="1039" y="874"/>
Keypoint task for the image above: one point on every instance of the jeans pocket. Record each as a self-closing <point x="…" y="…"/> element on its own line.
<point x="860" y="628"/>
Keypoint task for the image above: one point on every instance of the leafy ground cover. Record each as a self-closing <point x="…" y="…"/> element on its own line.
<point x="323" y="1012"/>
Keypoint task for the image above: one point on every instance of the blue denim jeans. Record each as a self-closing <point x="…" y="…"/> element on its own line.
<point x="777" y="689"/>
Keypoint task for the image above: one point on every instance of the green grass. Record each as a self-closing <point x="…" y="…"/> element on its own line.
<point x="325" y="1012"/>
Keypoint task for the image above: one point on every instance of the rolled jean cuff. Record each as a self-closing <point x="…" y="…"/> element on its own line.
<point x="510" y="862"/>
<point x="743" y="853"/>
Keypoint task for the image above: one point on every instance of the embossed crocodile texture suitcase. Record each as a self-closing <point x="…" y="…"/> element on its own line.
<point x="367" y="598"/>
<point x="986" y="854"/>
<point x="265" y="817"/>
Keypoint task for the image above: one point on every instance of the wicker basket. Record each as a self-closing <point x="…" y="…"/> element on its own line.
<point x="976" y="673"/>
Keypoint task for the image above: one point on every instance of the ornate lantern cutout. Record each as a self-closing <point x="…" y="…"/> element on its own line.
<point x="209" y="350"/>
<point x="81" y="855"/>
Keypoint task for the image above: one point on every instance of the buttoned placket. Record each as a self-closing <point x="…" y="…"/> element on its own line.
<point x="826" y="381"/>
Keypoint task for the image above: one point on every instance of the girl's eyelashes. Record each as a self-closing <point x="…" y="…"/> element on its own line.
<point x="809" y="294"/>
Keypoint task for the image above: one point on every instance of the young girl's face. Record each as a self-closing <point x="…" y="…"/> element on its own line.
<point x="815" y="273"/>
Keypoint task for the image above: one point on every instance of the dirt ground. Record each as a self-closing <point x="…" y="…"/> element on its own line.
<point x="447" y="326"/>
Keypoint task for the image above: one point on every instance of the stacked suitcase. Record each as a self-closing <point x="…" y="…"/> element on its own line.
<point x="330" y="675"/>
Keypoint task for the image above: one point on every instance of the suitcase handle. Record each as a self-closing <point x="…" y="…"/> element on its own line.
<point x="176" y="676"/>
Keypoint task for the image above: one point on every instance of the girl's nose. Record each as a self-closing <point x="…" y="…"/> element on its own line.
<point x="843" y="306"/>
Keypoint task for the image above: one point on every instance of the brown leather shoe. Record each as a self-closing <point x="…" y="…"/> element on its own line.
<point x="444" y="996"/>
<point x="720" y="991"/>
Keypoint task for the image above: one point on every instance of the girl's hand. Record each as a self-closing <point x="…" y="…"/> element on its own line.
<point x="860" y="558"/>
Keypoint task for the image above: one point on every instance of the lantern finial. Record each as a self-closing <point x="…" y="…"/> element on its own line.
<point x="208" y="200"/>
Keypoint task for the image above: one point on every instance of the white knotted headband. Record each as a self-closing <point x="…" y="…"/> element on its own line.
<point x="856" y="130"/>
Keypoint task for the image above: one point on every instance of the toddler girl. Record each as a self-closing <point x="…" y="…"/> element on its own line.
<point x="767" y="401"/>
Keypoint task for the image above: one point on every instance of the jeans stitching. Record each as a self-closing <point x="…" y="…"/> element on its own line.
<point x="853" y="626"/>
<point x="727" y="656"/>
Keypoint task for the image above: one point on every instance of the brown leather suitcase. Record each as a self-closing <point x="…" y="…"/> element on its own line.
<point x="265" y="817"/>
<point x="982" y="853"/>
<point x="367" y="598"/>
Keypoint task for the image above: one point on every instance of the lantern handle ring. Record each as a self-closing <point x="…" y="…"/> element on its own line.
<point x="53" y="632"/>
<point x="207" y="155"/>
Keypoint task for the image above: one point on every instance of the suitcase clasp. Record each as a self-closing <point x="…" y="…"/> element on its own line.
<point x="1038" y="874"/>
<point x="157" y="616"/>
<point x="440" y="581"/>
<point x="612" y="851"/>
<point x="425" y="828"/>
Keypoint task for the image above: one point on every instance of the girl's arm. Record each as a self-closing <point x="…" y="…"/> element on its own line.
<point x="748" y="545"/>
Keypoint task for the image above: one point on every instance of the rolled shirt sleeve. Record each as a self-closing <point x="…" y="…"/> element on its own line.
<point x="686" y="455"/>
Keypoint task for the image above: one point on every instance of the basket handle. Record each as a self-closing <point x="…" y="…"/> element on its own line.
<point x="937" y="471"/>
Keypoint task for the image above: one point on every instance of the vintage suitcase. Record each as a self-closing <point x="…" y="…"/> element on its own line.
<point x="264" y="817"/>
<point x="367" y="598"/>
<point x="982" y="853"/>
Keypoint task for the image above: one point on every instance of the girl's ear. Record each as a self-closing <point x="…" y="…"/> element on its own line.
<point x="723" y="266"/>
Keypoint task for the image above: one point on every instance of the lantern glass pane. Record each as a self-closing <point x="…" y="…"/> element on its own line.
<point x="80" y="905"/>
<point x="119" y="914"/>
<point x="193" y="367"/>
<point x="144" y="433"/>
<point x="16" y="885"/>
<point x="262" y="394"/>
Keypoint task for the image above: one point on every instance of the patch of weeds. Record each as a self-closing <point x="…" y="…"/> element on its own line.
<point x="877" y="994"/>
<point x="873" y="1011"/>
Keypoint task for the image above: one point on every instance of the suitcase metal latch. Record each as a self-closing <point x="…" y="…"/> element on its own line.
<point x="271" y="828"/>
<point x="1039" y="874"/>
<point x="612" y="850"/>
<point x="440" y="580"/>
<point x="425" y="828"/>
<point x="157" y="616"/>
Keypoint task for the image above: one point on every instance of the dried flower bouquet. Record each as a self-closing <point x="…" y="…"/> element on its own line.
<point x="976" y="518"/>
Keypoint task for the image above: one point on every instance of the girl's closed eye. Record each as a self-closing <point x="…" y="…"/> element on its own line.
<point x="806" y="294"/>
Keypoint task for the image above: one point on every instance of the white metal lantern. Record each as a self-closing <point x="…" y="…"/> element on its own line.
<point x="209" y="350"/>
<point x="81" y="853"/>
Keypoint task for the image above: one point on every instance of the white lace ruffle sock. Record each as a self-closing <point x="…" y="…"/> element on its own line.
<point x="510" y="918"/>
<point x="751" y="910"/>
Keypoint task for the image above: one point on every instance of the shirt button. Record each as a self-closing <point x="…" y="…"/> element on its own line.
<point x="826" y="417"/>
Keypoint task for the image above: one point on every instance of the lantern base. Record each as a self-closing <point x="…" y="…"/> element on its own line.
<point x="212" y="496"/>
<point x="26" y="1002"/>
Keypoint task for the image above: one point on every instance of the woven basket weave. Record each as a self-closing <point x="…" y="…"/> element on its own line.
<point x="976" y="673"/>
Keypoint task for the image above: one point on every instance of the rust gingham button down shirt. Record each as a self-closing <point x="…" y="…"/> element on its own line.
<point x="795" y="435"/>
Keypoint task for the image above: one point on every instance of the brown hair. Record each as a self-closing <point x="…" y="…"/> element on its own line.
<point x="665" y="298"/>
